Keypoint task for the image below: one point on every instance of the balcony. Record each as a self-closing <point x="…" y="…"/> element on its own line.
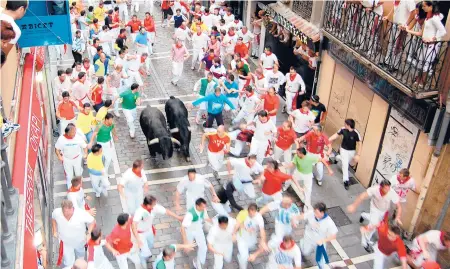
<point x="401" y="58"/>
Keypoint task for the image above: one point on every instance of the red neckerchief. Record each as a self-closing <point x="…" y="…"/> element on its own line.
<point x="73" y="189"/>
<point x="231" y="34"/>
<point x="442" y="238"/>
<point x="292" y="76"/>
<point x="381" y="192"/>
<point x="268" y="53"/>
<point x="86" y="67"/>
<point x="148" y="210"/>
<point x="260" y="77"/>
<point x="199" y="33"/>
<point x="137" y="173"/>
<point x="84" y="112"/>
<point x="402" y="181"/>
<point x="68" y="137"/>
<point x="236" y="21"/>
<point x="247" y="163"/>
<point x="179" y="46"/>
<point x="206" y="14"/>
<point x="183" y="27"/>
<point x="92" y="243"/>
<point x="249" y="94"/>
<point x="302" y="111"/>
<point x="62" y="80"/>
<point x="283" y="246"/>
<point x="396" y="2"/>
<point x="215" y="41"/>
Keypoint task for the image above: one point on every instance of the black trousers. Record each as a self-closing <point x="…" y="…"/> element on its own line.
<point x="211" y="117"/>
<point x="77" y="56"/>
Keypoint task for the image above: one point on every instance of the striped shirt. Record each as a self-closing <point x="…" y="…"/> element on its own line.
<point x="284" y="214"/>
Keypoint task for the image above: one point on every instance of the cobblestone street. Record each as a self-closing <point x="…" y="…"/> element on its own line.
<point x="163" y="176"/>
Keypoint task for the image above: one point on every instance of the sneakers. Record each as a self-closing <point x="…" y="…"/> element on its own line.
<point x="319" y="182"/>
<point x="173" y="83"/>
<point x="117" y="114"/>
<point x="346" y="185"/>
<point x="194" y="264"/>
<point x="9" y="128"/>
<point x="368" y="248"/>
<point x="361" y="219"/>
<point x="131" y="134"/>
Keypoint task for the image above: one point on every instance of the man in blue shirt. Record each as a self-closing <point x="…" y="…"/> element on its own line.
<point x="142" y="41"/>
<point x="231" y="90"/>
<point x="216" y="102"/>
<point x="178" y="18"/>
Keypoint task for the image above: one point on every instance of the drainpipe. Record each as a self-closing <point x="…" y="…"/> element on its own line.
<point x="443" y="213"/>
<point x="443" y="131"/>
<point x="319" y="60"/>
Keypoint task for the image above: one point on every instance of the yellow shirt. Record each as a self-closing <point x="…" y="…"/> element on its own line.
<point x="99" y="14"/>
<point x="85" y="122"/>
<point x="101" y="114"/>
<point x="203" y="27"/>
<point x="95" y="164"/>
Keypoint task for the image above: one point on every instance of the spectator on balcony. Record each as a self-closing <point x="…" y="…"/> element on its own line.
<point x="371" y="21"/>
<point x="14" y="10"/>
<point x="432" y="31"/>
<point x="400" y="16"/>
<point x="416" y="25"/>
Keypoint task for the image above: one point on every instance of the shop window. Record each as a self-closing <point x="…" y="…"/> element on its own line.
<point x="303" y="8"/>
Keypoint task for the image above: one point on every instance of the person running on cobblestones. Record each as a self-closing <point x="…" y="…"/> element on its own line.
<point x="143" y="224"/>
<point x="381" y="198"/>
<point x="70" y="149"/>
<point x="96" y="256"/>
<point x="103" y="134"/>
<point x="220" y="240"/>
<point x="204" y="87"/>
<point x="99" y="177"/>
<point x="286" y="254"/>
<point x="194" y="185"/>
<point x="179" y="55"/>
<point x="65" y="111"/>
<point x="77" y="196"/>
<point x="86" y="120"/>
<point x="245" y="170"/>
<point x="130" y="99"/>
<point x="132" y="186"/>
<point x="284" y="139"/>
<point x="225" y="194"/>
<point x="192" y="230"/>
<point x="166" y="259"/>
<point x="249" y="106"/>
<point x="264" y="131"/>
<point x="120" y="244"/>
<point x="249" y="223"/>
<point x="218" y="145"/>
<point x="69" y="226"/>
<point x="215" y="104"/>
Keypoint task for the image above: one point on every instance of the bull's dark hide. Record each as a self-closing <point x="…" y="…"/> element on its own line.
<point x="177" y="117"/>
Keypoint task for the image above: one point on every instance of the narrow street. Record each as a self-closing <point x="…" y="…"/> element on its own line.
<point x="163" y="176"/>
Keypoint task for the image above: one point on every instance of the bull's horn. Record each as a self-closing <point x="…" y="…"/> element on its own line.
<point x="189" y="128"/>
<point x="153" y="141"/>
<point x="174" y="130"/>
<point x="175" y="141"/>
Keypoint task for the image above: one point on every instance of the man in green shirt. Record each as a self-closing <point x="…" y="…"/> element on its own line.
<point x="130" y="99"/>
<point x="304" y="164"/>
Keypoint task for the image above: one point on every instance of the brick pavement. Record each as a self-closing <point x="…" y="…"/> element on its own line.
<point x="163" y="177"/>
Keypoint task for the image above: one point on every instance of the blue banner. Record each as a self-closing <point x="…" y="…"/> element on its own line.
<point x="45" y="23"/>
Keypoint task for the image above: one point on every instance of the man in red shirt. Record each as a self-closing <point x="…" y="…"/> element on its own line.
<point x="65" y="111"/>
<point x="273" y="180"/>
<point x="97" y="93"/>
<point x="389" y="241"/>
<point x="119" y="242"/>
<point x="219" y="144"/>
<point x="283" y="143"/>
<point x="134" y="25"/>
<point x="241" y="49"/>
<point x="166" y="7"/>
<point x="149" y="25"/>
<point x="271" y="103"/>
<point x="315" y="144"/>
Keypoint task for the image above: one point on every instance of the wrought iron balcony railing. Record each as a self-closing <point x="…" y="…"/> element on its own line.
<point x="405" y="57"/>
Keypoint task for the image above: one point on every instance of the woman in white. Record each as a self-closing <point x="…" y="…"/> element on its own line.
<point x="249" y="222"/>
<point x="132" y="186"/>
<point x="432" y="31"/>
<point x="220" y="240"/>
<point x="264" y="131"/>
<point x="294" y="85"/>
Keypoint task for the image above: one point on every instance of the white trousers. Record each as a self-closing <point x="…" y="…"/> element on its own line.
<point x="222" y="209"/>
<point x="135" y="6"/>
<point x="177" y="71"/>
<point x="123" y="11"/>
<point x="280" y="231"/>
<point x="71" y="253"/>
<point x="306" y="179"/>
<point x="346" y="157"/>
<point x="259" y="147"/>
<point x="63" y="124"/>
<point x="133" y="200"/>
<point x="132" y="256"/>
<point x="202" y="249"/>
<point x="234" y="101"/>
<point x="197" y="56"/>
<point x="238" y="144"/>
<point x="318" y="168"/>
<point x="244" y="115"/>
<point x="375" y="216"/>
<point x="287" y="154"/>
<point x="72" y="168"/>
<point x="265" y="198"/>
<point x="130" y="115"/>
<point x="380" y="258"/>
<point x="107" y="153"/>
<point x="134" y="76"/>
<point x="227" y="250"/>
<point x="100" y="184"/>
<point x="289" y="99"/>
<point x="244" y="246"/>
<point x="216" y="160"/>
<point x="147" y="240"/>
<point x="308" y="246"/>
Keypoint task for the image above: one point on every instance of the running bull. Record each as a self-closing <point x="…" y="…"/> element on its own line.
<point x="153" y="124"/>
<point x="177" y="117"/>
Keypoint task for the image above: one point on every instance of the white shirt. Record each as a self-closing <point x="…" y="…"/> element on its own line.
<point x="208" y="20"/>
<point x="218" y="70"/>
<point x="287" y="257"/>
<point x="194" y="226"/>
<point x="182" y="34"/>
<point x="122" y="61"/>
<point x="80" y="90"/>
<point x="60" y="87"/>
<point x="262" y="128"/>
<point x="268" y="61"/>
<point x="433" y="238"/>
<point x="99" y="260"/>
<point x="236" y="25"/>
<point x="250" y="102"/>
<point x="134" y="64"/>
<point x="216" y="20"/>
<point x="195" y="188"/>
<point x="230" y="42"/>
<point x="242" y="171"/>
<point x="72" y="232"/>
<point x="133" y="184"/>
<point x="402" y="189"/>
<point x="382" y="203"/>
<point x="433" y="27"/>
<point x="296" y="84"/>
<point x="144" y="219"/>
<point x="247" y="37"/>
<point x="228" y="19"/>
<point x="218" y="236"/>
<point x="373" y="3"/>
<point x="70" y="148"/>
<point x="199" y="41"/>
<point x="16" y="29"/>
<point x="251" y="226"/>
<point x="402" y="11"/>
<point x="302" y="121"/>
<point x="90" y="72"/>
<point x="319" y="229"/>
<point x="77" y="198"/>
<point x="222" y="27"/>
<point x="274" y="79"/>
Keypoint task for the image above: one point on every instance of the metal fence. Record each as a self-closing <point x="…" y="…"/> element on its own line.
<point x="303" y="8"/>
<point x="412" y="62"/>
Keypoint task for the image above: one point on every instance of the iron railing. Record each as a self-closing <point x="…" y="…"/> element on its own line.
<point x="412" y="62"/>
<point x="303" y="8"/>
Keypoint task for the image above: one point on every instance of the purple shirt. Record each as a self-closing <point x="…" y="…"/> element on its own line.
<point x="208" y="61"/>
